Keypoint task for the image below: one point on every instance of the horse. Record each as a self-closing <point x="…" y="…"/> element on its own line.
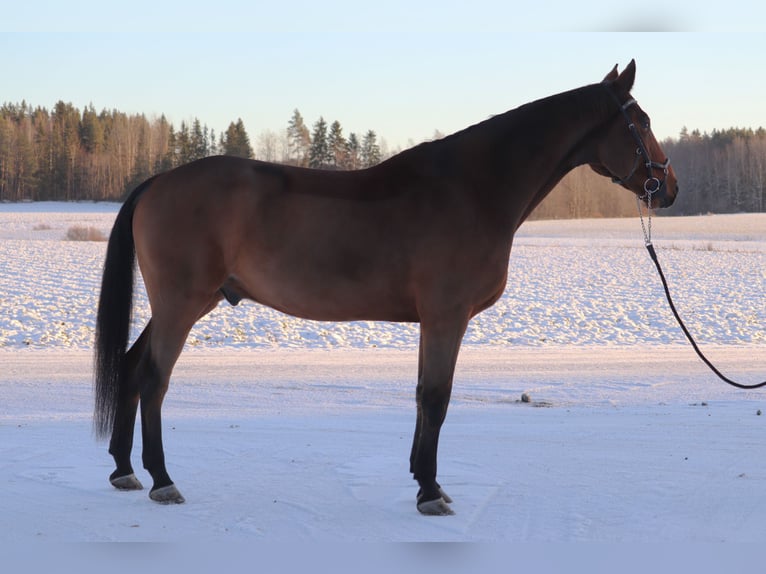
<point x="423" y="237"/>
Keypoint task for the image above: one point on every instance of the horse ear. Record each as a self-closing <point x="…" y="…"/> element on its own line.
<point x="628" y="76"/>
<point x="611" y="76"/>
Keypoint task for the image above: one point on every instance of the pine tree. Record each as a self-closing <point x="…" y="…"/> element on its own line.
<point x="298" y="140"/>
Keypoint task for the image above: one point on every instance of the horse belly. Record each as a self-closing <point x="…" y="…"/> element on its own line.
<point x="310" y="292"/>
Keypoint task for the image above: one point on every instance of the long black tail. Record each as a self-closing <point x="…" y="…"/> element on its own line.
<point x="114" y="314"/>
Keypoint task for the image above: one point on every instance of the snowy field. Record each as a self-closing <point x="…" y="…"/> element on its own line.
<point x="283" y="430"/>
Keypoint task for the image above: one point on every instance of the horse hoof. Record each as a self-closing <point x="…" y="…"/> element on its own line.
<point x="167" y="495"/>
<point x="438" y="507"/>
<point x="127" y="482"/>
<point x="443" y="494"/>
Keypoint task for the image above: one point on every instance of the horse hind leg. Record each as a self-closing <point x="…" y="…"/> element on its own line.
<point x="121" y="443"/>
<point x="168" y="334"/>
<point x="154" y="385"/>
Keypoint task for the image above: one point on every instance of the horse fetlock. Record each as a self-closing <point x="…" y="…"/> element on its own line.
<point x="445" y="496"/>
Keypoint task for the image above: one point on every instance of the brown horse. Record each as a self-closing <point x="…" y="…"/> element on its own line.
<point x="422" y="237"/>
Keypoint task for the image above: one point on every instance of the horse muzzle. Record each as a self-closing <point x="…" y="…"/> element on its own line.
<point x="659" y="194"/>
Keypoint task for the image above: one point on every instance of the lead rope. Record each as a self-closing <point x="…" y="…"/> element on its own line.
<point x="647" y="229"/>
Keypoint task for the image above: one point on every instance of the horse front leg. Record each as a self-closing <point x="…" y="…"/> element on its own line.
<point x="439" y="347"/>
<point x="419" y="423"/>
<point x="419" y="419"/>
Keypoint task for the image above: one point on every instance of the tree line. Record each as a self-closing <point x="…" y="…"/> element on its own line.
<point x="69" y="154"/>
<point x="719" y="172"/>
<point x="326" y="147"/>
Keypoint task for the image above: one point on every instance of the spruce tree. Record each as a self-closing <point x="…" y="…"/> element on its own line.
<point x="198" y="144"/>
<point x="337" y="146"/>
<point x="236" y="142"/>
<point x="319" y="153"/>
<point x="91" y="131"/>
<point x="183" y="144"/>
<point x="370" y="152"/>
<point x="352" y="158"/>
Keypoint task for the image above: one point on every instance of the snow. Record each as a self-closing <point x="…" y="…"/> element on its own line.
<point x="283" y="430"/>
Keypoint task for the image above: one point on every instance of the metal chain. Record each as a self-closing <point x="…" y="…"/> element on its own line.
<point x="646" y="228"/>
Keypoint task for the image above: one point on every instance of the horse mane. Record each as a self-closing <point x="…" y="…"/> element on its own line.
<point x="590" y="99"/>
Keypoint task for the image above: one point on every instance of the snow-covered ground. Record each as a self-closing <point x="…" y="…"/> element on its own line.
<point x="279" y="429"/>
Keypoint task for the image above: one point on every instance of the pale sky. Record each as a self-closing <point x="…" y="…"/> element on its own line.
<point x="403" y="69"/>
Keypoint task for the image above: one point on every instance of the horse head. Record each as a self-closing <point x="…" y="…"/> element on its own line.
<point x="627" y="150"/>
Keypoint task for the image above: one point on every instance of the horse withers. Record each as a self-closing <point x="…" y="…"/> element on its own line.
<point x="423" y="237"/>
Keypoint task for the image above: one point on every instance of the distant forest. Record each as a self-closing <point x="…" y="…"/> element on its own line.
<point x="70" y="154"/>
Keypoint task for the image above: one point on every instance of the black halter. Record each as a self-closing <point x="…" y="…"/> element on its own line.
<point x="652" y="184"/>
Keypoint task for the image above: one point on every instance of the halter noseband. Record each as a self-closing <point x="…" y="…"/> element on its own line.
<point x="652" y="184"/>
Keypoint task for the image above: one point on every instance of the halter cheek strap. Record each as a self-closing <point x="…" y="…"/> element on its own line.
<point x="651" y="184"/>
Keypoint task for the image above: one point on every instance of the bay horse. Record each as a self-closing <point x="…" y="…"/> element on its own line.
<point x="422" y="237"/>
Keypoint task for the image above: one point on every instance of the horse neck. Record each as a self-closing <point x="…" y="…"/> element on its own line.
<point x="527" y="151"/>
